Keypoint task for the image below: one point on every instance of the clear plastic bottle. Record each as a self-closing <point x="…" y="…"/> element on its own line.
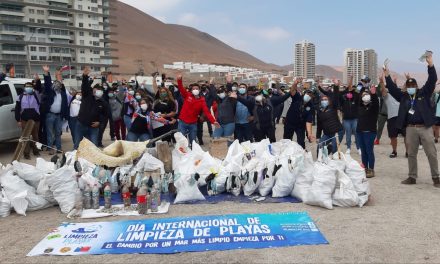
<point x="154" y="200"/>
<point x="126" y="195"/>
<point x="141" y="198"/>
<point x="95" y="197"/>
<point x="107" y="196"/>
<point x="78" y="200"/>
<point x="87" y="197"/>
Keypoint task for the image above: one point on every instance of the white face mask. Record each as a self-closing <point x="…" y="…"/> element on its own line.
<point x="234" y="88"/>
<point x="307" y="98"/>
<point x="366" y="98"/>
<point x="195" y="92"/>
<point x="144" y="107"/>
<point x="131" y="92"/>
<point x="222" y="95"/>
<point x="259" y="98"/>
<point x="98" y="94"/>
<point x="78" y="97"/>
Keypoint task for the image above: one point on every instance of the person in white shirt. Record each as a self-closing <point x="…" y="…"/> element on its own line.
<point x="74" y="106"/>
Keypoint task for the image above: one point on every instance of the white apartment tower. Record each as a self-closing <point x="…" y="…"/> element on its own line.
<point x="360" y="62"/>
<point x="305" y="59"/>
<point x="56" y="32"/>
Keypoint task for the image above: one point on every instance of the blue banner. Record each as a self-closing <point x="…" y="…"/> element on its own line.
<point x="183" y="234"/>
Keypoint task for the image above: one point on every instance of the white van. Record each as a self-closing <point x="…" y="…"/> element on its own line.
<point x="10" y="89"/>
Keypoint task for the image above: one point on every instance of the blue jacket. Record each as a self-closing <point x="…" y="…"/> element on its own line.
<point x="49" y="95"/>
<point x="423" y="100"/>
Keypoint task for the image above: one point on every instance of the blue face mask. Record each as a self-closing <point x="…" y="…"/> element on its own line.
<point x="324" y="104"/>
<point x="411" y="91"/>
<point x="29" y="90"/>
<point x="307" y="98"/>
<point x="111" y="95"/>
<point x="242" y="90"/>
<point x="138" y="97"/>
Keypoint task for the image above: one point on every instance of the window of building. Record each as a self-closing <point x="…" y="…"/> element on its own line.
<point x="95" y="35"/>
<point x="81" y="33"/>
<point x="81" y="25"/>
<point x="32" y="20"/>
<point x="33" y="48"/>
<point x="42" y="49"/>
<point x="33" y="58"/>
<point x="82" y="51"/>
<point x="41" y="31"/>
<point x="80" y="7"/>
<point x="81" y="42"/>
<point x="40" y="12"/>
<point x="31" y="11"/>
<point x="96" y="52"/>
<point x="43" y="58"/>
<point x="40" y="21"/>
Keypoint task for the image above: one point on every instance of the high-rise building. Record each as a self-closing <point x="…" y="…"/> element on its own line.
<point x="57" y="33"/>
<point x="360" y="62"/>
<point x="305" y="59"/>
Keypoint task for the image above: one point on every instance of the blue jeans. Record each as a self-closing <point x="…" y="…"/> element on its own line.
<point x="53" y="129"/>
<point x="243" y="132"/>
<point x="366" y="142"/>
<point x="325" y="138"/>
<point x="350" y="126"/>
<point x="225" y="130"/>
<point x="188" y="130"/>
<point x="135" y="137"/>
<point x="72" y="126"/>
<point x="88" y="132"/>
<point x="127" y="122"/>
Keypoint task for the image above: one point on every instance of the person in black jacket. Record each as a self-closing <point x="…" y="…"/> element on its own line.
<point x="225" y="115"/>
<point x="417" y="114"/>
<point x="328" y="121"/>
<point x="367" y="128"/>
<point x="349" y="105"/>
<point x="93" y="109"/>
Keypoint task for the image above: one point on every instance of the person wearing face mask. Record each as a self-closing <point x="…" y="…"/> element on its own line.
<point x="277" y="110"/>
<point x="243" y="114"/>
<point x="56" y="107"/>
<point x="74" y="106"/>
<point x="328" y="122"/>
<point x="225" y="114"/>
<point x="116" y="111"/>
<point x="349" y="105"/>
<point x="28" y="108"/>
<point x="298" y="115"/>
<point x="193" y="106"/>
<point x="141" y="123"/>
<point x="367" y="128"/>
<point x="210" y="95"/>
<point x="93" y="110"/>
<point x="166" y="107"/>
<point x="416" y="113"/>
<point x="130" y="105"/>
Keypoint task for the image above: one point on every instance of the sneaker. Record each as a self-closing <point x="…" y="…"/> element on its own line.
<point x="359" y="151"/>
<point x="436" y="182"/>
<point x="376" y="142"/>
<point x="51" y="152"/>
<point x="420" y="147"/>
<point x="348" y="152"/>
<point x="393" y="155"/>
<point x="409" y="181"/>
<point x="370" y="173"/>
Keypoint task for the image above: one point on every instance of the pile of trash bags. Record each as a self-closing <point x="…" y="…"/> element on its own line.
<point x="279" y="169"/>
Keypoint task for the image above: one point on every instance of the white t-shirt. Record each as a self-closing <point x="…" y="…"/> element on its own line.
<point x="392" y="106"/>
<point x="56" y="106"/>
<point x="74" y="108"/>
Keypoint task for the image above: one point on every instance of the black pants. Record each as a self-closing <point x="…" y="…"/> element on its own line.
<point x="102" y="126"/>
<point x="112" y="129"/>
<point x="200" y="130"/>
<point x="42" y="134"/>
<point x="265" y="132"/>
<point x="299" y="131"/>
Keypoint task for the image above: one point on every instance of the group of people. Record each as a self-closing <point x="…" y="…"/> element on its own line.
<point x="237" y="110"/>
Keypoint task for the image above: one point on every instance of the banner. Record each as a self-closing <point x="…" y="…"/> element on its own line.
<point x="189" y="234"/>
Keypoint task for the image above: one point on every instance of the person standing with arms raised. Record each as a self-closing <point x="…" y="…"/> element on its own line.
<point x="416" y="113"/>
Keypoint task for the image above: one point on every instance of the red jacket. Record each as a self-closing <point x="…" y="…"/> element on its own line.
<point x="192" y="106"/>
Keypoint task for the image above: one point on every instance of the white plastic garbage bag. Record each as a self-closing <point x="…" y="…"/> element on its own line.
<point x="323" y="186"/>
<point x="234" y="157"/>
<point x="43" y="189"/>
<point x="5" y="204"/>
<point x="268" y="180"/>
<point x="187" y="189"/>
<point x="252" y="176"/>
<point x="45" y="166"/>
<point x="288" y="170"/>
<point x="149" y="163"/>
<point x="345" y="194"/>
<point x="358" y="176"/>
<point x="63" y="185"/>
<point x="30" y="174"/>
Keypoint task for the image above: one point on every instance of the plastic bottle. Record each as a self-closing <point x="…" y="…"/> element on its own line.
<point x="114" y="183"/>
<point x="141" y="198"/>
<point x="78" y="200"/>
<point x="126" y="195"/>
<point x="154" y="200"/>
<point x="107" y="196"/>
<point x="87" y="197"/>
<point x="95" y="197"/>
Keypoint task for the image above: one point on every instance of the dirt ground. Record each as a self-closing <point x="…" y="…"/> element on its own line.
<point x="400" y="224"/>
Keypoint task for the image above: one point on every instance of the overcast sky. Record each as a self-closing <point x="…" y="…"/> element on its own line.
<point x="398" y="30"/>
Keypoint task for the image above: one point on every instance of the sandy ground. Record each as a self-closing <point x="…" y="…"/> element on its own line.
<point x="400" y="224"/>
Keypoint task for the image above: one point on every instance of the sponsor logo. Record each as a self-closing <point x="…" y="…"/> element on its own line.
<point x="65" y="249"/>
<point x="82" y="249"/>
